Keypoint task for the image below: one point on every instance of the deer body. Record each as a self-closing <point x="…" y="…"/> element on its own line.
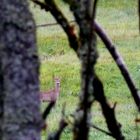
<point x="53" y="94"/>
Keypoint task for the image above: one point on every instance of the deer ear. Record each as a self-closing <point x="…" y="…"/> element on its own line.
<point x="57" y="78"/>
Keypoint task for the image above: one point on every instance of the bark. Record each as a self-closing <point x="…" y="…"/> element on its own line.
<point x="1" y="100"/>
<point x="84" y="13"/>
<point x="19" y="70"/>
<point x="1" y="84"/>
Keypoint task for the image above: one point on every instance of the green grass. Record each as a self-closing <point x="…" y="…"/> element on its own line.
<point x="119" y="18"/>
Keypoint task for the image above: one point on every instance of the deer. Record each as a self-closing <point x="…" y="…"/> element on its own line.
<point x="53" y="94"/>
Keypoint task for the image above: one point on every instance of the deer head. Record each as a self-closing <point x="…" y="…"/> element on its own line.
<point x="57" y="84"/>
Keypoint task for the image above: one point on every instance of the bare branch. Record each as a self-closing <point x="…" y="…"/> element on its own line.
<point x="120" y="63"/>
<point x="56" y="135"/>
<point x="61" y="19"/>
<point x="62" y="125"/>
<point x="51" y="24"/>
<point x="101" y="130"/>
<point x="108" y="112"/>
<point x="94" y="9"/>
<point x="42" y="5"/>
<point x="47" y="110"/>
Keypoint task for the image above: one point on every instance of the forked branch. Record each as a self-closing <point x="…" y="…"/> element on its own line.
<point x="108" y="112"/>
<point x="61" y="19"/>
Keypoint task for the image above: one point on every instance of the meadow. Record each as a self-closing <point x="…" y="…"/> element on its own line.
<point x="120" y="20"/>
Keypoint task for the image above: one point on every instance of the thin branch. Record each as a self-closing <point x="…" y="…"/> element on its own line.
<point x="101" y="130"/>
<point x="61" y="19"/>
<point x="120" y="63"/>
<point x="94" y="9"/>
<point x="108" y="112"/>
<point x="42" y="5"/>
<point x="56" y="135"/>
<point x="62" y="125"/>
<point x="52" y="24"/>
<point x="47" y="110"/>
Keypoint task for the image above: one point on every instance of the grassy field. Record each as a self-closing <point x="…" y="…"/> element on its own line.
<point x="119" y="19"/>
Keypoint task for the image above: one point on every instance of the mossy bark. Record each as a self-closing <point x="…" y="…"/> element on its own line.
<point x="19" y="73"/>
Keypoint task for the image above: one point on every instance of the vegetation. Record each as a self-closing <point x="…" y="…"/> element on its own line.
<point x="119" y="20"/>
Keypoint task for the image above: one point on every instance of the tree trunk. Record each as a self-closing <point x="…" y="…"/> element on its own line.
<point x="1" y="100"/>
<point x="19" y="72"/>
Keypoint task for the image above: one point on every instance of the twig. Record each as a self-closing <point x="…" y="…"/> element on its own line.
<point x="120" y="63"/>
<point x="47" y="110"/>
<point x="57" y="14"/>
<point x="56" y="135"/>
<point x="108" y="112"/>
<point x="42" y="5"/>
<point x="94" y="9"/>
<point x="52" y="24"/>
<point x="101" y="130"/>
<point x="62" y="125"/>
